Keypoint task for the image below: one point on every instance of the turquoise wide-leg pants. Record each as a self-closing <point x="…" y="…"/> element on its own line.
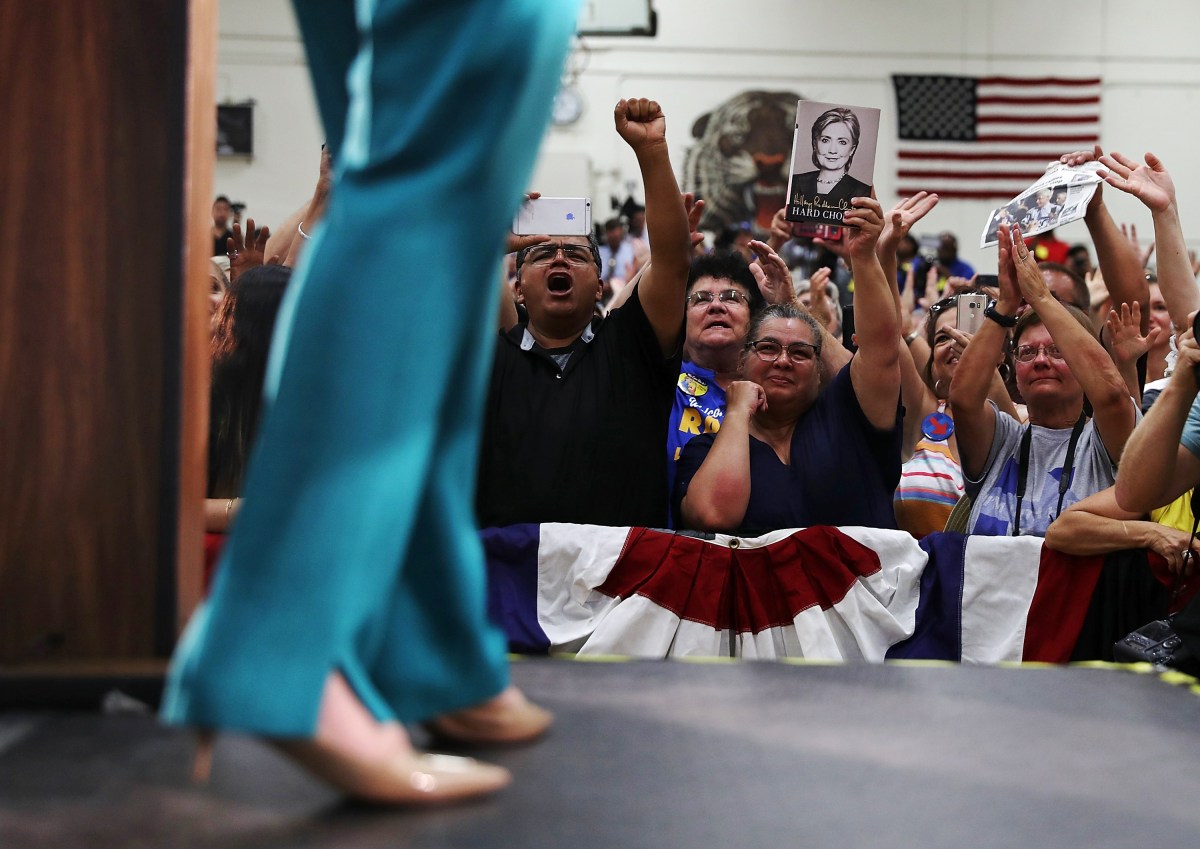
<point x="356" y="548"/>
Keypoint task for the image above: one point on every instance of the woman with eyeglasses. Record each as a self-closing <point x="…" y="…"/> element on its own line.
<point x="789" y="453"/>
<point x="931" y="480"/>
<point x="1023" y="476"/>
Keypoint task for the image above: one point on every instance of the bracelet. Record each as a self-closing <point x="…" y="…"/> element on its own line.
<point x="229" y="507"/>
<point x="1000" y="318"/>
<point x="910" y="338"/>
<point x="300" y="229"/>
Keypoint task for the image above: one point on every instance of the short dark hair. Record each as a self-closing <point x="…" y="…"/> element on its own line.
<point x="222" y="198"/>
<point x="1083" y="298"/>
<point x="613" y="224"/>
<point x="726" y="266"/>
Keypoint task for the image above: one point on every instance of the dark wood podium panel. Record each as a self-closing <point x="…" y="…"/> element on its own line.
<point x="92" y="330"/>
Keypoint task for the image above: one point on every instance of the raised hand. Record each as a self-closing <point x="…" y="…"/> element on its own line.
<point x="958" y="285"/>
<point x="1131" y="236"/>
<point x="1150" y="183"/>
<point x="1097" y="288"/>
<point x="695" y="211"/>
<point x="865" y="219"/>
<point x="772" y="275"/>
<point x="1079" y="157"/>
<point x="641" y="123"/>
<point x="243" y="256"/>
<point x="781" y="230"/>
<point x="818" y="304"/>
<point x="1125" y="336"/>
<point x="1029" y="278"/>
<point x="514" y="243"/>
<point x="1009" y="297"/>
<point x="838" y="247"/>
<point x="902" y="217"/>
<point x="1189" y="352"/>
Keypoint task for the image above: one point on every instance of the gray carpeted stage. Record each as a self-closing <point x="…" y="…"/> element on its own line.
<point x="658" y="754"/>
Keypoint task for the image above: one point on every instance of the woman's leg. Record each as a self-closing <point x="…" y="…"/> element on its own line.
<point x="447" y="102"/>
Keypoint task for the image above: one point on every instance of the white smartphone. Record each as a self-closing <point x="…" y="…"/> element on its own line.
<point x="970" y="312"/>
<point x="554" y="217"/>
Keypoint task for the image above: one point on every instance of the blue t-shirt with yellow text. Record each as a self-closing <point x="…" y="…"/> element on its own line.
<point x="699" y="407"/>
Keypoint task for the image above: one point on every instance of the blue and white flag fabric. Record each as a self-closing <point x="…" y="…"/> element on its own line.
<point x="835" y="594"/>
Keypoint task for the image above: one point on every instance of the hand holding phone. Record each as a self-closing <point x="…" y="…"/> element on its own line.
<point x="554" y="217"/>
<point x="970" y="312"/>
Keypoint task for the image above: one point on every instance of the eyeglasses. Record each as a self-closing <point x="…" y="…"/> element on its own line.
<point x="1028" y="353"/>
<point x="769" y="351"/>
<point x="729" y="296"/>
<point x="545" y="253"/>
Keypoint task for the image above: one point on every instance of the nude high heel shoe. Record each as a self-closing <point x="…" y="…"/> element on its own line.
<point x="370" y="761"/>
<point x="409" y="778"/>
<point x="507" y="719"/>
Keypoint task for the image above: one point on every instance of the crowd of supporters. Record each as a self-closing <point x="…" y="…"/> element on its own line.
<point x="656" y="376"/>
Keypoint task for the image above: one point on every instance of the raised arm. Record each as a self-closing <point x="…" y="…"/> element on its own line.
<point x="1090" y="364"/>
<point x="875" y="369"/>
<point x="1123" y="334"/>
<point x="896" y="226"/>
<point x="507" y="314"/>
<point x="719" y="492"/>
<point x="1152" y="185"/>
<point x="974" y="420"/>
<point x="295" y="231"/>
<point x="695" y="211"/>
<point x="643" y="126"/>
<point x="781" y="230"/>
<point x="1156" y="469"/>
<point x="775" y="283"/>
<point x="246" y="253"/>
<point x="1116" y="258"/>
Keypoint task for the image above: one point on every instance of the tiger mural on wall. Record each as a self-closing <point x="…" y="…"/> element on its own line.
<point x="740" y="161"/>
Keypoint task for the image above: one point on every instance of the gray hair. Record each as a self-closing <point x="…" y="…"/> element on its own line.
<point x="784" y="311"/>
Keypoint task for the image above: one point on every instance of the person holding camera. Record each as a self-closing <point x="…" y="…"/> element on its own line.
<point x="1022" y="477"/>
<point x="565" y="382"/>
<point x="931" y="480"/>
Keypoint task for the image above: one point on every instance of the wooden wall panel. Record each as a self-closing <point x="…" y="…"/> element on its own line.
<point x="201" y="142"/>
<point x="91" y="348"/>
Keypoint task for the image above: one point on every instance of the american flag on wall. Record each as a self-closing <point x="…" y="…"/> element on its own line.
<point x="988" y="137"/>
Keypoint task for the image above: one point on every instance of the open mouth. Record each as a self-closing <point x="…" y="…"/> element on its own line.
<point x="720" y="324"/>
<point x="558" y="282"/>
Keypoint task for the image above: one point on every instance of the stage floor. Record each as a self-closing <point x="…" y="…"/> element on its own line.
<point x="674" y="754"/>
